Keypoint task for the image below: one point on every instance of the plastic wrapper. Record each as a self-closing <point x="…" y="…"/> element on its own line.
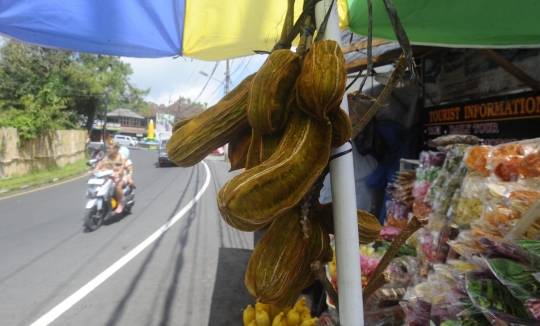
<point x="498" y="214"/>
<point x="476" y="159"/>
<point x="385" y="297"/>
<point x="385" y="317"/>
<point x="516" y="276"/>
<point x="498" y="249"/>
<point x="492" y="295"/>
<point x="421" y="209"/>
<point x="532" y="249"/>
<point x="466" y="210"/>
<point x="389" y="233"/>
<point x="507" y="169"/>
<point x="456" y="139"/>
<point x="420" y="189"/>
<point x="417" y="312"/>
<point x="529" y="166"/>
<point x="520" y="198"/>
<point x="397" y="214"/>
<point x="449" y="232"/>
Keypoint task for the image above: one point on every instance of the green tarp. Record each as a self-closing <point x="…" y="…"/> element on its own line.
<point x="454" y="23"/>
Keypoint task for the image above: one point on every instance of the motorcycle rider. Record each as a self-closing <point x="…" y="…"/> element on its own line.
<point x="109" y="163"/>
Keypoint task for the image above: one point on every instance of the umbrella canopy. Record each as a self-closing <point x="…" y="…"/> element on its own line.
<point x="224" y="29"/>
<point x="456" y="23"/>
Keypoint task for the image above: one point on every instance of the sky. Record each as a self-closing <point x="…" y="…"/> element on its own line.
<point x="170" y="78"/>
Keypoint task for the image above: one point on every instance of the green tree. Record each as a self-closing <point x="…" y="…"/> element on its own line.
<point x="79" y="80"/>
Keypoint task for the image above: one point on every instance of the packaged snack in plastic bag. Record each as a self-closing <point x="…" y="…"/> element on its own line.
<point x="499" y="214"/>
<point x="492" y="295"/>
<point x="476" y="159"/>
<point x="520" y="198"/>
<point x="532" y="249"/>
<point x="498" y="249"/>
<point x="397" y="214"/>
<point x="519" y="279"/>
<point x="420" y="189"/>
<point x="529" y="166"/>
<point x="448" y="233"/>
<point x="456" y="139"/>
<point x="389" y="233"/>
<point x="507" y="168"/>
<point x="421" y="209"/>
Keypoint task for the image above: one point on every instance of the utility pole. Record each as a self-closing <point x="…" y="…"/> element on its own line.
<point x="104" y="124"/>
<point x="227" y="81"/>
<point x="227" y="78"/>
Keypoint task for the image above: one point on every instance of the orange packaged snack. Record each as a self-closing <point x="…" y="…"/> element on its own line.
<point x="500" y="215"/>
<point x="477" y="159"/>
<point x="507" y="170"/>
<point x="508" y="150"/>
<point x="530" y="166"/>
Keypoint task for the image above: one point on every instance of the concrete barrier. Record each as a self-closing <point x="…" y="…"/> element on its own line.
<point x="50" y="149"/>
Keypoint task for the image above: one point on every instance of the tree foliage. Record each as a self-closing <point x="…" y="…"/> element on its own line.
<point x="45" y="89"/>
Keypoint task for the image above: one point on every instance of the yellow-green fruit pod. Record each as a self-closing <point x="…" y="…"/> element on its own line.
<point x="179" y="124"/>
<point x="210" y="129"/>
<point x="322" y="81"/>
<point x="262" y="147"/>
<point x="238" y="150"/>
<point x="267" y="191"/>
<point x="341" y="127"/>
<point x="270" y="90"/>
<point x="279" y="267"/>
<point x="369" y="227"/>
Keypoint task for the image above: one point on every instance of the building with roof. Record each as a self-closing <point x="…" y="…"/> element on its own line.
<point x="178" y="110"/>
<point x="131" y="123"/>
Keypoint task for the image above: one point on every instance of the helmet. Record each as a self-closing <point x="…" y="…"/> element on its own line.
<point x="124" y="151"/>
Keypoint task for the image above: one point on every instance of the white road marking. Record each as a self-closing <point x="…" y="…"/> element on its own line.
<point x="90" y="286"/>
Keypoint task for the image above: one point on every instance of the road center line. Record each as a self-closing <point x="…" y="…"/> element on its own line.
<point x="90" y="286"/>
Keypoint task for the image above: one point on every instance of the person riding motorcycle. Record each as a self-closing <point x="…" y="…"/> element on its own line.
<point x="109" y="163"/>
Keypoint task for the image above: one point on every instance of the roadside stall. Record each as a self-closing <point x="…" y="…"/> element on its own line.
<point x="287" y="147"/>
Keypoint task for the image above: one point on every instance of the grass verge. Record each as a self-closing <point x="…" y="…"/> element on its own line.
<point x="42" y="177"/>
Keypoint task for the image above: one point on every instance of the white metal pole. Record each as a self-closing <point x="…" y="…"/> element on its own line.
<point x="351" y="312"/>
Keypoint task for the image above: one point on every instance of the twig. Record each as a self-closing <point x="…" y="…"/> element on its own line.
<point x="379" y="280"/>
<point x="414" y="224"/>
<point x="363" y="96"/>
<point x="287" y="27"/>
<point x="318" y="270"/>
<point x="392" y="82"/>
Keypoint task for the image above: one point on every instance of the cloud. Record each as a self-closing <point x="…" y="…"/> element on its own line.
<point x="171" y="78"/>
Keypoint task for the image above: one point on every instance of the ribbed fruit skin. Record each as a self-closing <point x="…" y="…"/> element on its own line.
<point x="279" y="267"/>
<point x="322" y="81"/>
<point x="262" y="147"/>
<point x="341" y="127"/>
<point x="272" y="188"/>
<point x="270" y="91"/>
<point x="212" y="128"/>
<point x="238" y="150"/>
<point x="368" y="225"/>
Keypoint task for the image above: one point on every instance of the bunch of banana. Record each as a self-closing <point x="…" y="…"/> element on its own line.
<point x="270" y="315"/>
<point x="280" y="124"/>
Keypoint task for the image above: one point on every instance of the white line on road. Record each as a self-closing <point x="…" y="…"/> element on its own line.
<point x="90" y="286"/>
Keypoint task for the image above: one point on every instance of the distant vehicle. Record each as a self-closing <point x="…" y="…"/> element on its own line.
<point x="125" y="140"/>
<point x="164" y="135"/>
<point x="219" y="151"/>
<point x="163" y="158"/>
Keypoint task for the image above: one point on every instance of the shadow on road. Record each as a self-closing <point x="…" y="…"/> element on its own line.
<point x="115" y="317"/>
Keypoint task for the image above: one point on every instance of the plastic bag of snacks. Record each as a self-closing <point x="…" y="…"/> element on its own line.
<point x="476" y="159"/>
<point x="520" y="198"/>
<point x="514" y="161"/>
<point x="499" y="214"/>
<point x="492" y="296"/>
<point x="421" y="209"/>
<point x="456" y="139"/>
<point x="420" y="189"/>
<point x="397" y="214"/>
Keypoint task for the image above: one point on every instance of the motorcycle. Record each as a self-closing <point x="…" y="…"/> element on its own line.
<point x="93" y="162"/>
<point x="101" y="199"/>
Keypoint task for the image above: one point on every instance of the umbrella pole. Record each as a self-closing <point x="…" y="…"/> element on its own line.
<point x="351" y="311"/>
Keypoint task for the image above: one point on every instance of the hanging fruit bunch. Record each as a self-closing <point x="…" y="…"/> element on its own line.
<point x="280" y="124"/>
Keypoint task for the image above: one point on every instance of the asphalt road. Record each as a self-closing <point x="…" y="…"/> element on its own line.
<point x="190" y="275"/>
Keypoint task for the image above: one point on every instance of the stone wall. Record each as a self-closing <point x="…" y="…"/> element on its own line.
<point x="55" y="148"/>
